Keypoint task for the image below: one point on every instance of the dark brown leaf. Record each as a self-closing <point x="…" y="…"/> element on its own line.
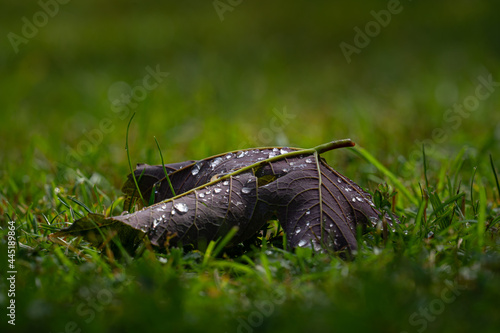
<point x="316" y="206"/>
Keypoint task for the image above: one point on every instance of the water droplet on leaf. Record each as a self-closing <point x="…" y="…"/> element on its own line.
<point x="196" y="168"/>
<point x="246" y="190"/>
<point x="216" y="162"/>
<point x="181" y="207"/>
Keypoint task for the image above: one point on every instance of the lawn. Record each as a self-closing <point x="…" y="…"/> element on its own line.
<point x="414" y="83"/>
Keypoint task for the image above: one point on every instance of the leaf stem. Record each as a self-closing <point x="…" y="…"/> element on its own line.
<point x="334" y="145"/>
<point x="316" y="150"/>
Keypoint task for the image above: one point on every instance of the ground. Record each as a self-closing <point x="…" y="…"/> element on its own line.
<point x="218" y="76"/>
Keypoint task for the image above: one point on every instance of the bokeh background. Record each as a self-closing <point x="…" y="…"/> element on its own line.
<point x="231" y="78"/>
<point x="227" y="77"/>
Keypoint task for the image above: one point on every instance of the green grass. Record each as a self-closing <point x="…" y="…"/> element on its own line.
<point x="437" y="271"/>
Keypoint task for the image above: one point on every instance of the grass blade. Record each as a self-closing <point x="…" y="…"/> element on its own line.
<point x="495" y="174"/>
<point x="371" y="159"/>
<point x="81" y="204"/>
<point x="130" y="163"/>
<point x="481" y="221"/>
<point x="222" y="244"/>
<point x="165" y="170"/>
<point x="425" y="168"/>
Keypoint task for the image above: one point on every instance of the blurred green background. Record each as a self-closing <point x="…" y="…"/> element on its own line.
<point x="226" y="78"/>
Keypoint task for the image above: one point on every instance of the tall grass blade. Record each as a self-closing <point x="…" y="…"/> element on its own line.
<point x="130" y="163"/>
<point x="481" y="221"/>
<point x="165" y="170"/>
<point x="371" y="159"/>
<point x="495" y="174"/>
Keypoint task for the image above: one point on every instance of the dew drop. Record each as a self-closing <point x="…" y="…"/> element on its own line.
<point x="208" y="192"/>
<point x="339" y="180"/>
<point x="308" y="212"/>
<point x="181" y="207"/>
<point x="283" y="151"/>
<point x="272" y="154"/>
<point x="196" y="168"/>
<point x="240" y="154"/>
<point x="359" y="199"/>
<point x="308" y="160"/>
<point x="225" y="183"/>
<point x="317" y="246"/>
<point x="297" y="231"/>
<point x="216" y="162"/>
<point x="155" y="223"/>
<point x="302" y="243"/>
<point x="229" y="156"/>
<point x="217" y="190"/>
<point x="246" y="190"/>
<point x="285" y="170"/>
<point x="172" y="211"/>
<point x="201" y="195"/>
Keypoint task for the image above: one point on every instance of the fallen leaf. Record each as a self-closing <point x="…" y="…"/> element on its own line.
<point x="316" y="206"/>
